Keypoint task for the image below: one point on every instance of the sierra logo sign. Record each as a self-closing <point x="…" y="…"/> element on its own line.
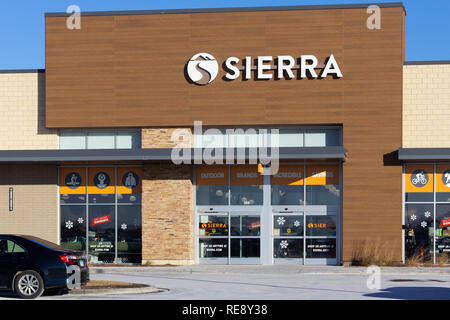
<point x="203" y="68"/>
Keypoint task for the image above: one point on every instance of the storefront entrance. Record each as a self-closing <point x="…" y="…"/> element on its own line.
<point x="244" y="217"/>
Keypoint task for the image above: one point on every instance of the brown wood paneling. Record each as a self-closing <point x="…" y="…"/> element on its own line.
<point x="128" y="70"/>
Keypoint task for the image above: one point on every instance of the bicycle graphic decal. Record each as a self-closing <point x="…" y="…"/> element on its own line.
<point x="419" y="178"/>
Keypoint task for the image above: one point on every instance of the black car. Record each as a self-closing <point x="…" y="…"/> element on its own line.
<point x="30" y="265"/>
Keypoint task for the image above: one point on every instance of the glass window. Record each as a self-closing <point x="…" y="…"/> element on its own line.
<point x="321" y="248"/>
<point x="419" y="197"/>
<point x="128" y="140"/>
<point x="288" y="225"/>
<point x="442" y="233"/>
<point x="322" y="137"/>
<point x="245" y="248"/>
<point x="419" y="231"/>
<point x="101" y="233"/>
<point x="129" y="198"/>
<point x="284" y="137"/>
<point x="287" y="248"/>
<point x="315" y="139"/>
<point x="100" y="140"/>
<point x="129" y="234"/>
<point x="212" y="138"/>
<point x="212" y="195"/>
<point x="287" y="195"/>
<point x="442" y="196"/>
<point x="245" y="225"/>
<point x="73" y="227"/>
<point x="101" y="198"/>
<point x="9" y="246"/>
<point x="317" y="226"/>
<point x="213" y="225"/>
<point x="250" y="138"/>
<point x="213" y="248"/>
<point x="72" y="198"/>
<point x="323" y="195"/>
<point x="246" y="195"/>
<point x="72" y="140"/>
<point x="288" y="138"/>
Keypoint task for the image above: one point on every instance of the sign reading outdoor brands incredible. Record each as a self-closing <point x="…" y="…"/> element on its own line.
<point x="203" y="68"/>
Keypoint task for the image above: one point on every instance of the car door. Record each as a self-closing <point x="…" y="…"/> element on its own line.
<point x="12" y="256"/>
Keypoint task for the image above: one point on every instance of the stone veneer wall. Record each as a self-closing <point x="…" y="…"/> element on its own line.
<point x="162" y="137"/>
<point x="35" y="200"/>
<point x="167" y="214"/>
<point x="426" y="106"/>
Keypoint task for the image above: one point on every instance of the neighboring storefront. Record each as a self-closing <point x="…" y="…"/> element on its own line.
<point x="99" y="175"/>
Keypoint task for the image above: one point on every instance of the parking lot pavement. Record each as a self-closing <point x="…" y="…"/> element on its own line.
<point x="271" y="282"/>
<point x="235" y="284"/>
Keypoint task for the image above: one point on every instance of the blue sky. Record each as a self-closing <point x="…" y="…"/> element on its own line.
<point x="22" y="24"/>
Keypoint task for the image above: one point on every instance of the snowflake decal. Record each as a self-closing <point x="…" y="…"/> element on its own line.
<point x="69" y="224"/>
<point x="296" y="223"/>
<point x="413" y="217"/>
<point x="283" y="244"/>
<point x="424" y="224"/>
<point x="427" y="214"/>
<point x="281" y="221"/>
<point x="80" y="220"/>
<point x="123" y="226"/>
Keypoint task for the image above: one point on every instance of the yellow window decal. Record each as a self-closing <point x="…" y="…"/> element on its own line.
<point x="322" y="174"/>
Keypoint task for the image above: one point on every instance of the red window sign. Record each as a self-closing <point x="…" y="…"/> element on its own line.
<point x="102" y="219"/>
<point x="255" y="225"/>
<point x="445" y="223"/>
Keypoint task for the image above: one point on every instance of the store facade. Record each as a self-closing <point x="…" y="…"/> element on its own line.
<point x="124" y="96"/>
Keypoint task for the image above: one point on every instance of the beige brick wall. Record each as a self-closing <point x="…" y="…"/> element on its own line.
<point x="22" y="113"/>
<point x="426" y="106"/>
<point x="35" y="200"/>
<point x="162" y="137"/>
<point x="167" y="214"/>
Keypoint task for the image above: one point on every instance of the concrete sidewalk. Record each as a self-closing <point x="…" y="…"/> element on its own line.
<point x="267" y="269"/>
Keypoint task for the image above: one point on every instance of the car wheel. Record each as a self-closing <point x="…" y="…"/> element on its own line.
<point x="29" y="284"/>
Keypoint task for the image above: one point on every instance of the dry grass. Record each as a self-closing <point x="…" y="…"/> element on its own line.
<point x="442" y="260"/>
<point x="414" y="261"/>
<point x="417" y="260"/>
<point x="374" y="253"/>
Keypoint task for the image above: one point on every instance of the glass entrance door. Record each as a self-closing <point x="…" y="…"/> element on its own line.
<point x="288" y="237"/>
<point x="213" y="237"/>
<point x="229" y="238"/>
<point x="304" y="238"/>
<point x="245" y="237"/>
<point x="320" y="239"/>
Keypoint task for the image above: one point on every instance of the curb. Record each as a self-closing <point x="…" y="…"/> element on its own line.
<point x="270" y="270"/>
<point x="100" y="292"/>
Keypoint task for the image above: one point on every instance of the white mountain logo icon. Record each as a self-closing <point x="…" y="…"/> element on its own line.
<point x="202" y="68"/>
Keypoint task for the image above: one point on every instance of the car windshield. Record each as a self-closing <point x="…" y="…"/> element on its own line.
<point x="45" y="243"/>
